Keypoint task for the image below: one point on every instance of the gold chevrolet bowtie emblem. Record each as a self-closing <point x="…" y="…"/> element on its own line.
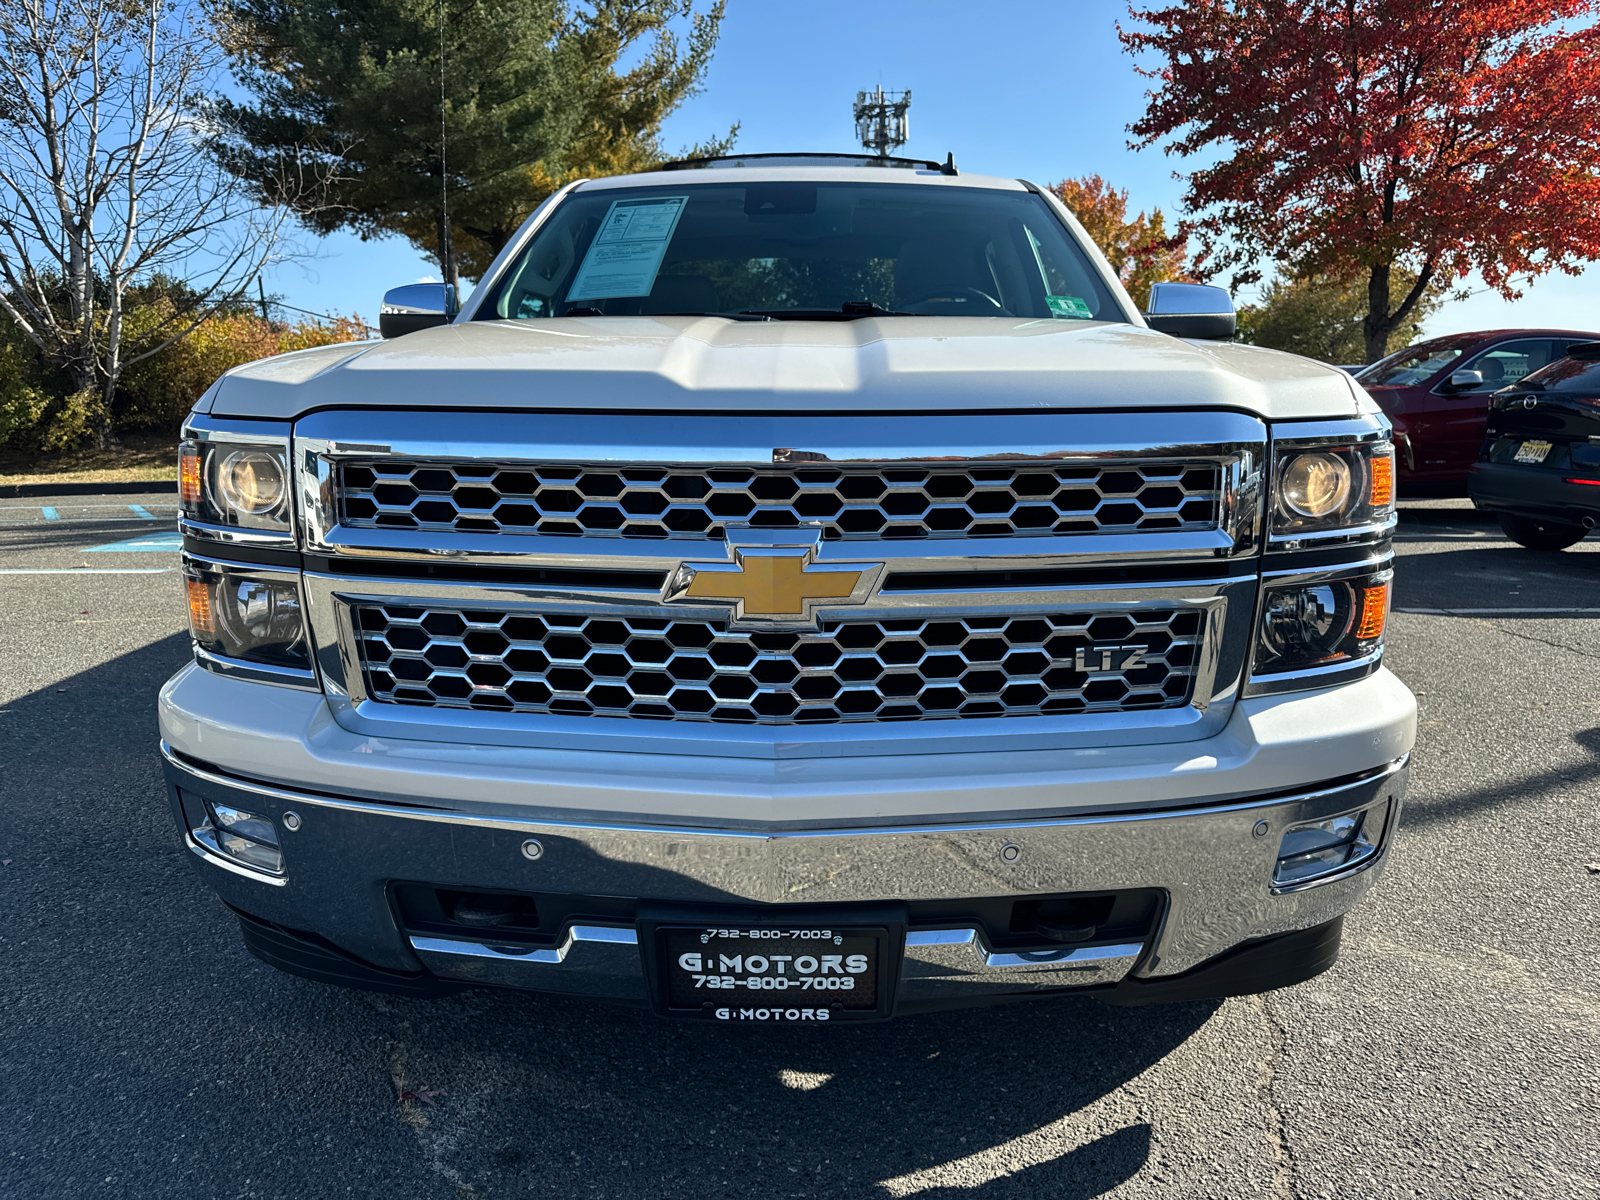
<point x="773" y="576"/>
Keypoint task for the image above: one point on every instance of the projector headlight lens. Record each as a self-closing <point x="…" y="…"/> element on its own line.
<point x="251" y="482"/>
<point x="1315" y="485"/>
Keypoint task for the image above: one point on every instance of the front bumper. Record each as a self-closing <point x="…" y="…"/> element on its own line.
<point x="1210" y="863"/>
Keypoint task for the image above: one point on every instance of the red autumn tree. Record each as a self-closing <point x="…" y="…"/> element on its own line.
<point x="1139" y="250"/>
<point x="1370" y="139"/>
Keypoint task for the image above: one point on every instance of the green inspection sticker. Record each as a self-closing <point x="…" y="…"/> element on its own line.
<point x="1072" y="307"/>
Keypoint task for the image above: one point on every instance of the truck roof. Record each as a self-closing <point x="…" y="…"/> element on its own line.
<point x="807" y="168"/>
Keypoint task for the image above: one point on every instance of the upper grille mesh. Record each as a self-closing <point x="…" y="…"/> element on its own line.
<point x="698" y="670"/>
<point x="958" y="500"/>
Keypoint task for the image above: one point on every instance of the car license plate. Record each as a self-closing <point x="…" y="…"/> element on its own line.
<point x="1532" y="452"/>
<point x="772" y="973"/>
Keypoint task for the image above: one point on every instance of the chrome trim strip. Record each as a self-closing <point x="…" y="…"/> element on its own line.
<point x="240" y="668"/>
<point x="203" y="427"/>
<point x="1372" y="532"/>
<point x="1215" y="870"/>
<point x="1369" y="427"/>
<point x="208" y="562"/>
<point x="930" y="554"/>
<point x="575" y="934"/>
<point x="1314" y="677"/>
<point x="948" y="962"/>
<point x="215" y="858"/>
<point x="1372" y="566"/>
<point x="206" y="532"/>
<point x="596" y="960"/>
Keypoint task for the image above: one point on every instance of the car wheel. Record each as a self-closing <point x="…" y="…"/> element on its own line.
<point x="1540" y="535"/>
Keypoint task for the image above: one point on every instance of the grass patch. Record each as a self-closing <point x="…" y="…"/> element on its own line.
<point x="142" y="457"/>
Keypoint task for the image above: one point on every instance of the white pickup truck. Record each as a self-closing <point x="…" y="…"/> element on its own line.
<point x="791" y="588"/>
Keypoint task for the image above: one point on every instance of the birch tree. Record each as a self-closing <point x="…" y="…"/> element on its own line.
<point x="107" y="179"/>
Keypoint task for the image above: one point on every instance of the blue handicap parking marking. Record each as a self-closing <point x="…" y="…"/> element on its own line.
<point x="149" y="542"/>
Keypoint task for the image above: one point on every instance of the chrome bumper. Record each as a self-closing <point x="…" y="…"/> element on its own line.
<point x="1213" y="863"/>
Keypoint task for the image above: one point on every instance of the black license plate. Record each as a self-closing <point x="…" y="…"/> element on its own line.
<point x="787" y="973"/>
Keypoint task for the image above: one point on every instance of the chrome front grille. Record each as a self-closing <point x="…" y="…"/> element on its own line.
<point x="957" y="500"/>
<point x="676" y="669"/>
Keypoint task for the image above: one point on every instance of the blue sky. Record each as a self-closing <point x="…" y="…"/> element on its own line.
<point x="1037" y="90"/>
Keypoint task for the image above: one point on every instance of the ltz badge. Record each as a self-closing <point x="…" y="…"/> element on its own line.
<point x="1109" y="660"/>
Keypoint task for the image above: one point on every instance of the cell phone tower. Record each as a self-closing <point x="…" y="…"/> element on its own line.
<point x="882" y="122"/>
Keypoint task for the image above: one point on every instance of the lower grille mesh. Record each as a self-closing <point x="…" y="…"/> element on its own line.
<point x="697" y="670"/>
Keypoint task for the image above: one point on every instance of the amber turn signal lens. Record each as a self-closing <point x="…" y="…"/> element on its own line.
<point x="1382" y="481"/>
<point x="189" y="477"/>
<point x="202" y="617"/>
<point x="1374" y="612"/>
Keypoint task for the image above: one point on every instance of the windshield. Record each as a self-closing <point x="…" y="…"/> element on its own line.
<point x="801" y="250"/>
<point x="1414" y="364"/>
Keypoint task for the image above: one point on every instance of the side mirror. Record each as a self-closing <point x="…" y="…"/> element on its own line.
<point x="1465" y="381"/>
<point x="1191" y="310"/>
<point x="415" y="306"/>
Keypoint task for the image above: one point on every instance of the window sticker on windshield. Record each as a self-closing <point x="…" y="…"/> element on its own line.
<point x="626" y="254"/>
<point x="1071" y="307"/>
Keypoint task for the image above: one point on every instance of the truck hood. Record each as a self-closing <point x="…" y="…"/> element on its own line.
<point x="711" y="364"/>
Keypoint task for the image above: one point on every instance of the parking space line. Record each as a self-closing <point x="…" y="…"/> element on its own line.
<point x="50" y="514"/>
<point x="1490" y="612"/>
<point x="86" y="570"/>
<point x="148" y="543"/>
<point x="143" y="513"/>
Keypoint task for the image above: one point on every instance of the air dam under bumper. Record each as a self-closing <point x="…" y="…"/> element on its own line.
<point x="1214" y="864"/>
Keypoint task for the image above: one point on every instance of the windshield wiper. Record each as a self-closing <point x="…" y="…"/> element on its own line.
<point x="850" y="310"/>
<point x="727" y="316"/>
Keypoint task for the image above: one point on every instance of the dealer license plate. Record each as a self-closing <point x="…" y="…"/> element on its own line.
<point x="1532" y="452"/>
<point x="777" y="973"/>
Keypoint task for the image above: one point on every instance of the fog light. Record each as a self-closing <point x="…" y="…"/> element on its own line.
<point x="1313" y="850"/>
<point x="242" y="836"/>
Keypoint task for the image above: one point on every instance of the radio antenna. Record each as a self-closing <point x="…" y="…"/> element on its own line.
<point x="446" y="255"/>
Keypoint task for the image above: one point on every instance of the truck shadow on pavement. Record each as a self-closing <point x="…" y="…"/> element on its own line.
<point x="1523" y="790"/>
<point x="485" y="1093"/>
<point x="932" y="1105"/>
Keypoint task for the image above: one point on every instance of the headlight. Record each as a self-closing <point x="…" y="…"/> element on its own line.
<point x="250" y="482"/>
<point x="241" y="485"/>
<point x="1315" y="485"/>
<point x="1320" y="623"/>
<point x="250" y="615"/>
<point x="1327" y="487"/>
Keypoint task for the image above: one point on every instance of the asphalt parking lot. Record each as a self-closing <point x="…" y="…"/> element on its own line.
<point x="1453" y="1052"/>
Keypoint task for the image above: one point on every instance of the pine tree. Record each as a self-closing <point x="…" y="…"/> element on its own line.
<point x="532" y="98"/>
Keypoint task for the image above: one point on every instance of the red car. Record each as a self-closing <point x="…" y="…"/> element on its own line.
<point x="1437" y="392"/>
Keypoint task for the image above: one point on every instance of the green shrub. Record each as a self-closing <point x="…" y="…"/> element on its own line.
<point x="40" y="414"/>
